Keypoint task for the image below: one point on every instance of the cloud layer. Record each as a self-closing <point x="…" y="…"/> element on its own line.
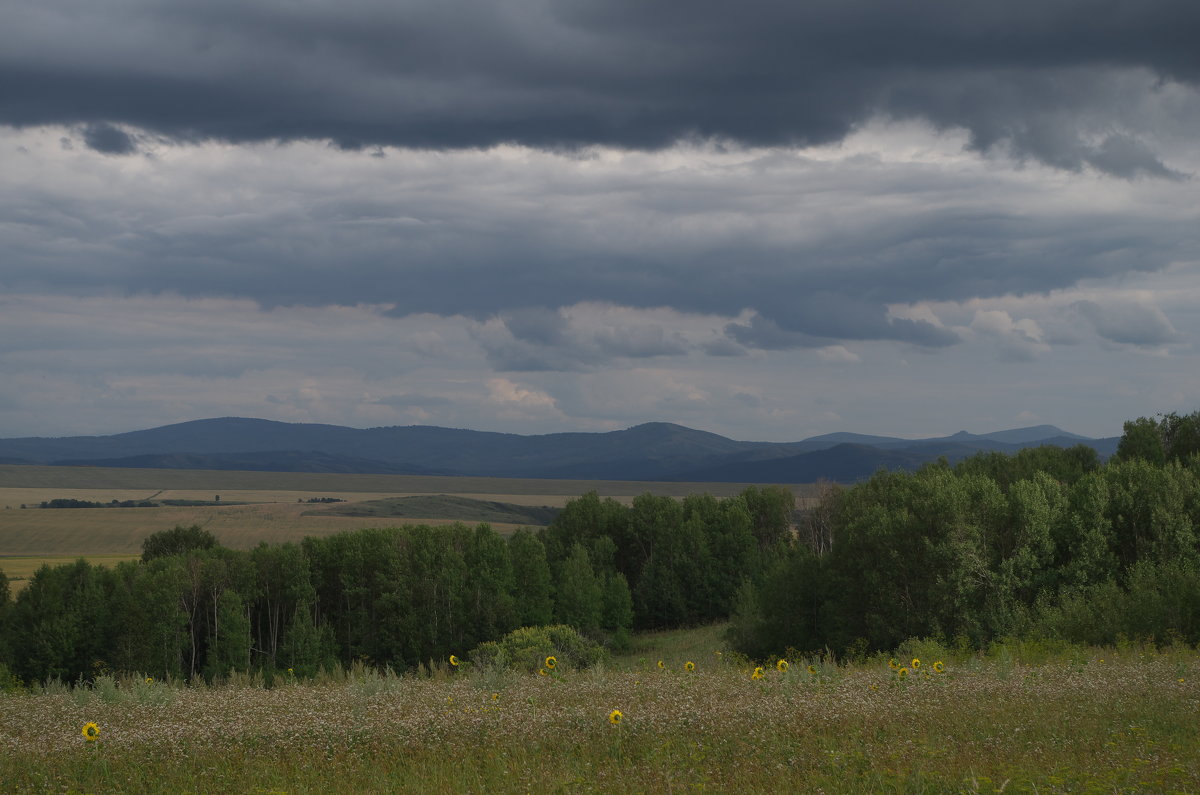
<point x="1059" y="81"/>
<point x="767" y="219"/>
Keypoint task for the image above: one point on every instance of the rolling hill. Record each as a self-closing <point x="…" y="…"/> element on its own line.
<point x="653" y="451"/>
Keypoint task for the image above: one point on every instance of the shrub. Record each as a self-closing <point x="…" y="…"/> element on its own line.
<point x="527" y="648"/>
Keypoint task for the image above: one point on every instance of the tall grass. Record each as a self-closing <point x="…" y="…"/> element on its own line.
<point x="1017" y="718"/>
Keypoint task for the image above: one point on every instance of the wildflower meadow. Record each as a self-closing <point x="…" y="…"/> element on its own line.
<point x="1014" y="719"/>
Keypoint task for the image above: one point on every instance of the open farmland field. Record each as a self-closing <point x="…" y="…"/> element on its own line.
<point x="254" y="506"/>
<point x="95" y="531"/>
<point x="1089" y="720"/>
<point x="140" y="481"/>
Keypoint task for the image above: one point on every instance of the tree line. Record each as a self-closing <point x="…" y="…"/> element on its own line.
<point x="1047" y="543"/>
<point x="397" y="597"/>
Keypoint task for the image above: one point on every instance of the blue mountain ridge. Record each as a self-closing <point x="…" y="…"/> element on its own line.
<point x="651" y="451"/>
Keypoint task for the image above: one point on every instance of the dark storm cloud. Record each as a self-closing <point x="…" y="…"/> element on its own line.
<point x="108" y="140"/>
<point x="1036" y="76"/>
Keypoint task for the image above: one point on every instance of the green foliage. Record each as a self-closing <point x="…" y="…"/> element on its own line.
<point x="533" y="590"/>
<point x="682" y="561"/>
<point x="526" y="649"/>
<point x="578" y="592"/>
<point x="1045" y="544"/>
<point x="1065" y="465"/>
<point x="1169" y="438"/>
<point x="178" y="540"/>
<point x="229" y="644"/>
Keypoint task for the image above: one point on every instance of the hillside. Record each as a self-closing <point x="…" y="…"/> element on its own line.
<point x="655" y="451"/>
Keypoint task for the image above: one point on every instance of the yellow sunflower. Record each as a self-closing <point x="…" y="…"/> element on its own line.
<point x="758" y="673"/>
<point x="916" y="663"/>
<point x="543" y="672"/>
<point x="662" y="664"/>
<point x="149" y="680"/>
<point x="689" y="666"/>
<point x="782" y="666"/>
<point x="902" y="673"/>
<point x="938" y="667"/>
<point x="551" y="661"/>
<point x="895" y="666"/>
<point x="453" y="660"/>
<point x="91" y="732"/>
<point x="615" y="717"/>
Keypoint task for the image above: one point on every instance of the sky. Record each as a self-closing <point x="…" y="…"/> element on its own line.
<point x="768" y="220"/>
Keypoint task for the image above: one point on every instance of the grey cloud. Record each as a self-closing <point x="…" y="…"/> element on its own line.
<point x="450" y="249"/>
<point x="723" y="347"/>
<point x="108" y="140"/>
<point x="860" y="322"/>
<point x="531" y="349"/>
<point x="413" y="401"/>
<point x="536" y="324"/>
<point x="640" y="342"/>
<point x="765" y="334"/>
<point x="1124" y="156"/>
<point x="1129" y="323"/>
<point x="628" y="73"/>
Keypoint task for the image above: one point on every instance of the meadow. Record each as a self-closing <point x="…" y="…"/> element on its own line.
<point x="1016" y="719"/>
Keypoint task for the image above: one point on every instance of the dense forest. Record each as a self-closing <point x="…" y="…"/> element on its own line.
<point x="397" y="597"/>
<point x="1049" y="542"/>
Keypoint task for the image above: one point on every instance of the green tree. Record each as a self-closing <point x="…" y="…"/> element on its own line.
<point x="578" y="592"/>
<point x="229" y="644"/>
<point x="1143" y="440"/>
<point x="532" y="587"/>
<point x="178" y="540"/>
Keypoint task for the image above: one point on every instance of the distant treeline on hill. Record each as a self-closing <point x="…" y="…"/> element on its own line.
<point x="68" y="503"/>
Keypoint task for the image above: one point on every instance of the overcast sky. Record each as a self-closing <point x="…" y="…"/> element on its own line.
<point x="769" y="220"/>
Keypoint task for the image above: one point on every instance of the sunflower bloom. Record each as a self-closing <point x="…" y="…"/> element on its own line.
<point x="758" y="673"/>
<point x="662" y="664"/>
<point x="895" y="666"/>
<point x="812" y="669"/>
<point x="91" y="732"/>
<point x="149" y="680"/>
<point x="689" y="666"/>
<point x="551" y="661"/>
<point x="916" y="664"/>
<point x="453" y="660"/>
<point x="902" y="673"/>
<point x="615" y="717"/>
<point x="938" y="667"/>
<point x="782" y="666"/>
<point x="543" y="672"/>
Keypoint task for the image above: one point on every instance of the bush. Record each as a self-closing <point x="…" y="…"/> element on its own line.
<point x="527" y="648"/>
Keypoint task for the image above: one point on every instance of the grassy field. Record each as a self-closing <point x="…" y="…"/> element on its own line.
<point x="1090" y="720"/>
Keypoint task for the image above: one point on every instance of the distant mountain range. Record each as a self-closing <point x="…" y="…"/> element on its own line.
<point x="654" y="451"/>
